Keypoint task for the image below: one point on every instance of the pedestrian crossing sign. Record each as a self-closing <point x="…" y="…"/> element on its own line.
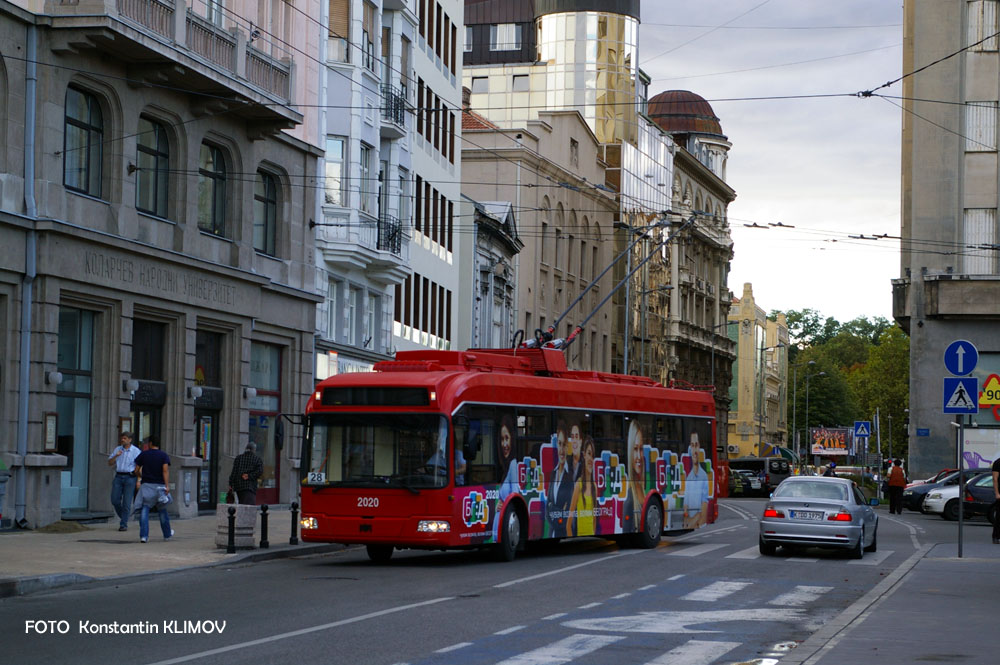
<point x="862" y="429"/>
<point x="961" y="394"/>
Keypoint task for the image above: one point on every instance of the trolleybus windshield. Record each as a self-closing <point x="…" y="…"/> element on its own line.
<point x="378" y="450"/>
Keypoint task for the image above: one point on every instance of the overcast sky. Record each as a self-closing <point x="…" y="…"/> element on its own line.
<point x="827" y="166"/>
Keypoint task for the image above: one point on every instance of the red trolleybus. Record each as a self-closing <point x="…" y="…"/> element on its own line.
<point x="496" y="447"/>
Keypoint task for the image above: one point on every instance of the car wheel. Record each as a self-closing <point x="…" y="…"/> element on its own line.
<point x="510" y="535"/>
<point x="652" y="527"/>
<point x="874" y="546"/>
<point x="858" y="551"/>
<point x="379" y="553"/>
<point x="950" y="510"/>
<point x="767" y="549"/>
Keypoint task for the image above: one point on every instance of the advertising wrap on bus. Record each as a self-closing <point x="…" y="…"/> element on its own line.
<point x="452" y="452"/>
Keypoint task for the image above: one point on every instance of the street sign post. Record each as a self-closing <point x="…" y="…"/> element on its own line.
<point x="862" y="428"/>
<point x="961" y="395"/>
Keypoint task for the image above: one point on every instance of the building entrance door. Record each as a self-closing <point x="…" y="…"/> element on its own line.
<point x="206" y="447"/>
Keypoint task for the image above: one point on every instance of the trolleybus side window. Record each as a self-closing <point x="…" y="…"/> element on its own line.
<point x="476" y="435"/>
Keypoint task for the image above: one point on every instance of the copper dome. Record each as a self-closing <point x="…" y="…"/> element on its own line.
<point x="685" y="112"/>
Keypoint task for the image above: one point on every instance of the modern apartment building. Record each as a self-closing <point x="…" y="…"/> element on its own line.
<point x="758" y="395"/>
<point x="363" y="233"/>
<point x="949" y="283"/>
<point x="156" y="270"/>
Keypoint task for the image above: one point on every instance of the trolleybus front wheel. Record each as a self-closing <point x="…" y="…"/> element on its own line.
<point x="510" y="535"/>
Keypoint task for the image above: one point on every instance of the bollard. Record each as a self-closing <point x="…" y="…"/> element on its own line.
<point x="263" y="528"/>
<point x="294" y="540"/>
<point x="231" y="548"/>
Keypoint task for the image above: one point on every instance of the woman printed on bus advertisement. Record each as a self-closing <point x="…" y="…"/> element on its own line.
<point x="584" y="501"/>
<point x="507" y="461"/>
<point x="636" y="496"/>
<point x="695" y="486"/>
<point x="560" y="483"/>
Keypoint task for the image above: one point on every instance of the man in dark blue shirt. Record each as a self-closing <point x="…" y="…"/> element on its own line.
<point x="154" y="473"/>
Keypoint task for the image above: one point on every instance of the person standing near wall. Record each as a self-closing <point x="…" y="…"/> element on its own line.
<point x="897" y="483"/>
<point x="124" y="483"/>
<point x="247" y="469"/>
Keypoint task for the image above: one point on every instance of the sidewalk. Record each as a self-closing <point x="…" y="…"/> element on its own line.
<point x="69" y="553"/>
<point x="935" y="607"/>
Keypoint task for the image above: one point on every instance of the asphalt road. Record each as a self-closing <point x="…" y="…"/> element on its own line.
<point x="707" y="597"/>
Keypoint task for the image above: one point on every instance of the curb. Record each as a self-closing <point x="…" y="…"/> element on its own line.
<point x="23" y="586"/>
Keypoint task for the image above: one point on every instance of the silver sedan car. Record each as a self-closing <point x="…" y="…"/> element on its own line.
<point x="813" y="511"/>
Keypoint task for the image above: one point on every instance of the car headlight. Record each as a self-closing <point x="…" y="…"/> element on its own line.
<point x="309" y="523"/>
<point x="934" y="495"/>
<point x="907" y="492"/>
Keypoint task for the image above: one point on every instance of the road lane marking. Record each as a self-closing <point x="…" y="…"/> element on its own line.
<point x="678" y="622"/>
<point x="695" y="652"/>
<point x="647" y="587"/>
<point x="742" y="512"/>
<point x="748" y="553"/>
<point x="801" y="595"/>
<point x="621" y="595"/>
<point x="300" y="632"/>
<point x="566" y="568"/>
<point x="557" y="615"/>
<point x="801" y="559"/>
<point x="910" y="527"/>
<point x="697" y="550"/>
<point x="873" y="559"/>
<point x="454" y="647"/>
<point x="715" y="591"/>
<point x="508" y="631"/>
<point x="588" y="606"/>
<point x="563" y="651"/>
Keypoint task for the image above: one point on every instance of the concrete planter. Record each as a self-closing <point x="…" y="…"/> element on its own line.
<point x="246" y="525"/>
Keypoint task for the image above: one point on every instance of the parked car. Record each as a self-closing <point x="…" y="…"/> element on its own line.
<point x="814" y="511"/>
<point x="749" y="482"/>
<point x="913" y="496"/>
<point x="944" y="500"/>
<point x="933" y="479"/>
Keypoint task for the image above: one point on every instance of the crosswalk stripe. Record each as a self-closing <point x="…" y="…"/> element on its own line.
<point x="563" y="651"/>
<point x="454" y="647"/>
<point x="695" y="652"/>
<point x="873" y="559"/>
<point x="801" y="559"/>
<point x="801" y="595"/>
<point x="697" y="550"/>
<point x="715" y="591"/>
<point x="748" y="553"/>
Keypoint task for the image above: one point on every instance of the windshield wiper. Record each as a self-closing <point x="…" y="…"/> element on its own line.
<point x="396" y="480"/>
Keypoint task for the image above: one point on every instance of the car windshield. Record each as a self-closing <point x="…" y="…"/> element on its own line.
<point x="405" y="450"/>
<point x="812" y="490"/>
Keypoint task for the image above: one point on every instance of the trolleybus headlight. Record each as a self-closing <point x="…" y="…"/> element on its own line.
<point x="433" y="526"/>
<point x="309" y="523"/>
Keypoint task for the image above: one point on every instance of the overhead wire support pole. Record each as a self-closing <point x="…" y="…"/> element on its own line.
<point x="554" y="325"/>
<point x="579" y="328"/>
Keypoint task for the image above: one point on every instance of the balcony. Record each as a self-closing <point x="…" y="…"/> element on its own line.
<point x="167" y="42"/>
<point x="393" y="113"/>
<point x="390" y="234"/>
<point x="380" y="249"/>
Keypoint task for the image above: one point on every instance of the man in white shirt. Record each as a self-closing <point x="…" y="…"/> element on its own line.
<point x="124" y="483"/>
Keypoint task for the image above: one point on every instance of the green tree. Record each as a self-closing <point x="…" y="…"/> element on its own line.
<point x="883" y="383"/>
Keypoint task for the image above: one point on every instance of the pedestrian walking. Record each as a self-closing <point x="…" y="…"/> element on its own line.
<point x="154" y="490"/>
<point x="124" y="483"/>
<point x="897" y="482"/>
<point x="247" y="469"/>
<point x="996" y="503"/>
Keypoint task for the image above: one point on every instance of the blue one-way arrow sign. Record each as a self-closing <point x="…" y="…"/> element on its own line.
<point x="961" y="357"/>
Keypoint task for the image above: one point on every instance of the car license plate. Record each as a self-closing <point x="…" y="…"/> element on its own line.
<point x="755" y="484"/>
<point x="807" y="515"/>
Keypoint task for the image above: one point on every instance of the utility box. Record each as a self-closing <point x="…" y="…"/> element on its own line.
<point x="246" y="525"/>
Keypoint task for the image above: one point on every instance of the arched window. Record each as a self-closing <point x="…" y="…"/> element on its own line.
<point x="83" y="143"/>
<point x="153" y="158"/>
<point x="265" y="213"/>
<point x="212" y="190"/>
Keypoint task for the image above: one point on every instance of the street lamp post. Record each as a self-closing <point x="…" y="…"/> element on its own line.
<point x="795" y="404"/>
<point x="809" y="376"/>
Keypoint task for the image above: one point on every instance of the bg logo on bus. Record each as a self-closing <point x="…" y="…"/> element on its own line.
<point x="529" y="475"/>
<point x="475" y="510"/>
